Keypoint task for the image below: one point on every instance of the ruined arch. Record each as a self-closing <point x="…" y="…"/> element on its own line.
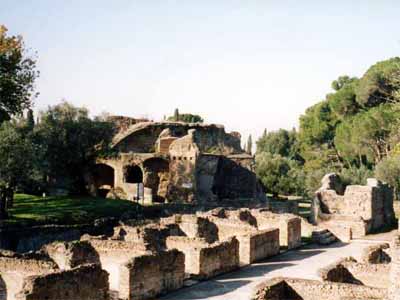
<point x="133" y="174"/>
<point x="156" y="170"/>
<point x="103" y="176"/>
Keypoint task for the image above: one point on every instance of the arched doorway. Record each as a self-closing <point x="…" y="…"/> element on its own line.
<point x="156" y="177"/>
<point x="133" y="178"/>
<point x="103" y="176"/>
<point x="133" y="174"/>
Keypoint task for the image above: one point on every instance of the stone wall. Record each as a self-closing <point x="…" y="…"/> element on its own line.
<point x="198" y="227"/>
<point x="257" y="246"/>
<point x="376" y="254"/>
<point x="289" y="226"/>
<point x="371" y="204"/>
<point x="228" y="227"/>
<point x="203" y="260"/>
<point x="148" y="275"/>
<point x="232" y="181"/>
<point x="131" y="267"/>
<point x="183" y="156"/>
<point x="373" y="275"/>
<point x="202" y="163"/>
<point x="209" y="137"/>
<point x="88" y="282"/>
<point x="15" y="269"/>
<point x="394" y="289"/>
<point x="151" y="236"/>
<point x="114" y="254"/>
<point x="348" y="270"/>
<point x="72" y="254"/>
<point x="303" y="289"/>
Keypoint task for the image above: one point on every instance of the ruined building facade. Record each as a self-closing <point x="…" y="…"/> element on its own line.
<point x="352" y="211"/>
<point x="178" y="162"/>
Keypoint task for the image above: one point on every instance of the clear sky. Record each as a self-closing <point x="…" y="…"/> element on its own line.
<point x="248" y="65"/>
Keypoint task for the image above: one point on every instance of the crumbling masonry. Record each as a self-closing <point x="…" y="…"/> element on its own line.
<point x="176" y="162"/>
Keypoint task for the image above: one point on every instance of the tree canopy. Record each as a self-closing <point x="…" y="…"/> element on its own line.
<point x="353" y="130"/>
<point x="187" y="118"/>
<point x="17" y="76"/>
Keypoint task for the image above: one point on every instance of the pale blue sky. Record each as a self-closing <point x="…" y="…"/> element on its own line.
<point x="248" y="65"/>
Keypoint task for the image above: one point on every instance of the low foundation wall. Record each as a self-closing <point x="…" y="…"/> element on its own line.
<point x="198" y="227"/>
<point x="25" y="239"/>
<point x="302" y="289"/>
<point x="72" y="254"/>
<point x="289" y="227"/>
<point x="203" y="260"/>
<point x="257" y="246"/>
<point x="14" y="270"/>
<point x="113" y="255"/>
<point x="376" y="254"/>
<point x="88" y="282"/>
<point x="147" y="276"/>
<point x="152" y="235"/>
<point x="348" y="270"/>
<point x="228" y="228"/>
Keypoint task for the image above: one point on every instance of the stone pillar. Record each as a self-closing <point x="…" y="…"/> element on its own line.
<point x="394" y="289"/>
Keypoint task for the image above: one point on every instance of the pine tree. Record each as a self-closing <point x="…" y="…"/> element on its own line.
<point x="176" y="115"/>
<point x="30" y="121"/>
<point x="249" y="144"/>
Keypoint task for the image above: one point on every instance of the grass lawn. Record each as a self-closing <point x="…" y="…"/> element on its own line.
<point x="33" y="210"/>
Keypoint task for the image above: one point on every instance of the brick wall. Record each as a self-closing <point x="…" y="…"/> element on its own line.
<point x="87" y="282"/>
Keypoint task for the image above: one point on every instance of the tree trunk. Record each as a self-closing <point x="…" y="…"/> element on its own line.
<point x="3" y="204"/>
<point x="9" y="197"/>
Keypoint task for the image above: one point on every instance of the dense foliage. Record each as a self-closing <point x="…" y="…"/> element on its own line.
<point x="187" y="118"/>
<point x="354" y="131"/>
<point x="54" y="153"/>
<point x="17" y="76"/>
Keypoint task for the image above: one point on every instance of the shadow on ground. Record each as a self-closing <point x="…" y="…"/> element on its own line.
<point x="229" y="282"/>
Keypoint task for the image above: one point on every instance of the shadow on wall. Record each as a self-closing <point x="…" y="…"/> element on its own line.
<point x="3" y="289"/>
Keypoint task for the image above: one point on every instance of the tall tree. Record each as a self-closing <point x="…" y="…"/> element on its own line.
<point x="176" y="115"/>
<point x="17" y="76"/>
<point x="30" y="120"/>
<point x="71" y="142"/>
<point x="17" y="157"/>
<point x="249" y="145"/>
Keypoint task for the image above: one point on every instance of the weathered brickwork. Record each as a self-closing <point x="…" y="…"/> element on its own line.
<point x="289" y="226"/>
<point x="146" y="276"/>
<point x="303" y="289"/>
<point x="176" y="162"/>
<point x="354" y="211"/>
<point x="203" y="260"/>
<point x="257" y="246"/>
<point x="87" y="282"/>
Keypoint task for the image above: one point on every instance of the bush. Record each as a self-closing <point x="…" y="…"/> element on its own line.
<point x="388" y="170"/>
<point x="280" y="175"/>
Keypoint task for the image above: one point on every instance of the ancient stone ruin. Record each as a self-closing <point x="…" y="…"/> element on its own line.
<point x="144" y="259"/>
<point x="353" y="211"/>
<point x="374" y="276"/>
<point x="178" y="162"/>
<point x="138" y="259"/>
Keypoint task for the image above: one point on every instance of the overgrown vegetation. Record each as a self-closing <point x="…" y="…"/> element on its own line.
<point x="354" y="131"/>
<point x="55" y="153"/>
<point x="186" y="118"/>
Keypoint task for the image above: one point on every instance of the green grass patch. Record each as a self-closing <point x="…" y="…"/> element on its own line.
<point x="33" y="210"/>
